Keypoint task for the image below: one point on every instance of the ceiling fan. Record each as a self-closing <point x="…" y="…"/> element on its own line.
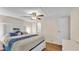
<point x="35" y="15"/>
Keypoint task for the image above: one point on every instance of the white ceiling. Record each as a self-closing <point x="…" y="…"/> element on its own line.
<point x="57" y="11"/>
<point x="47" y="11"/>
<point x="21" y="11"/>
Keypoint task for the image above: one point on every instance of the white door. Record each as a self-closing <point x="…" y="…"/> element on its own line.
<point x="63" y="29"/>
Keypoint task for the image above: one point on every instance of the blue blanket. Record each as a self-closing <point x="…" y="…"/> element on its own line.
<point x="12" y="41"/>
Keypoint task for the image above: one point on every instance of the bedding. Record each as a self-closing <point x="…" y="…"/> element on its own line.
<point x="8" y="46"/>
<point x="28" y="44"/>
<point x="23" y="43"/>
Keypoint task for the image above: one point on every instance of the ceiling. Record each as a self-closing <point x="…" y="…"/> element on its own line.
<point x="47" y="11"/>
<point x="57" y="11"/>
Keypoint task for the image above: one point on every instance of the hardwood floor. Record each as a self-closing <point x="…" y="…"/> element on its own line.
<point x="52" y="47"/>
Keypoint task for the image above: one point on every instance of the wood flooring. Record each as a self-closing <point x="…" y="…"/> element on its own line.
<point x="52" y="47"/>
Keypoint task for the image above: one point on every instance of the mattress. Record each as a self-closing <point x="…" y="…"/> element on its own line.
<point x="27" y="44"/>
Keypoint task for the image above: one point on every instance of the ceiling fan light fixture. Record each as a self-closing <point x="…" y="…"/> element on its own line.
<point x="34" y="18"/>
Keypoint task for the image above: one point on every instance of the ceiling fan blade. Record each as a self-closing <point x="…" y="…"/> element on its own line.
<point x="40" y="15"/>
<point x="39" y="18"/>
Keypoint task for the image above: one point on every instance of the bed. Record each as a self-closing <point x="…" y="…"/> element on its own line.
<point x="32" y="42"/>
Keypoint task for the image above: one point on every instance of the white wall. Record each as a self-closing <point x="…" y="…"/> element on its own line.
<point x="75" y="24"/>
<point x="25" y="26"/>
<point x="1" y="30"/>
<point x="11" y="22"/>
<point x="50" y="29"/>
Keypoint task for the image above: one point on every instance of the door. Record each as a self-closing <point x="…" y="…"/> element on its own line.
<point x="63" y="29"/>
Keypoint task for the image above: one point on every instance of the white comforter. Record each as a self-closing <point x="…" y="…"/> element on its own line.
<point x="27" y="44"/>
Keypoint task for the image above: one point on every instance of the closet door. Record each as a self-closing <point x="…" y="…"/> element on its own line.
<point x="63" y="29"/>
